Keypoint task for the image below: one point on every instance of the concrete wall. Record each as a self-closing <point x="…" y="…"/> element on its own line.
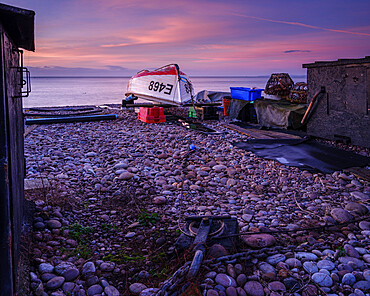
<point x="343" y="110"/>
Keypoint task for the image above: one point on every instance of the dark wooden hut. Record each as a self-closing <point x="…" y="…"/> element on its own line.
<point x="16" y="31"/>
<point x="343" y="112"/>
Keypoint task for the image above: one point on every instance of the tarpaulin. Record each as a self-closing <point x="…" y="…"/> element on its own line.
<point x="305" y="154"/>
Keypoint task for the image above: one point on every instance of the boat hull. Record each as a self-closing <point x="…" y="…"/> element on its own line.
<point x="166" y="85"/>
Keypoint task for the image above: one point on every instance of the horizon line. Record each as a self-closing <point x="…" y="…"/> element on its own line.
<point x="195" y="76"/>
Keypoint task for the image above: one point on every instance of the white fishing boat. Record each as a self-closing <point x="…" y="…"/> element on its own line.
<point x="166" y="85"/>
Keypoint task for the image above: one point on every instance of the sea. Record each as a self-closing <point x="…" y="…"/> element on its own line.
<point x="79" y="91"/>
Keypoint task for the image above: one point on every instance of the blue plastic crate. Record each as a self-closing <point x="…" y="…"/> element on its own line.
<point x="255" y="94"/>
<point x="245" y="93"/>
<point x="240" y="93"/>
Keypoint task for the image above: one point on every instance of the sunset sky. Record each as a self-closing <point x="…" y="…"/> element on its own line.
<point x="205" y="37"/>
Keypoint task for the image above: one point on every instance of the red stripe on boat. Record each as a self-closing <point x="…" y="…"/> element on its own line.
<point x="163" y="71"/>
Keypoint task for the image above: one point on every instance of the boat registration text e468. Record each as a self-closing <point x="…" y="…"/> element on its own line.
<point x="159" y="87"/>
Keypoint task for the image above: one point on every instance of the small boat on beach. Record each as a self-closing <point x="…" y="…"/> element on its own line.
<point x="166" y="85"/>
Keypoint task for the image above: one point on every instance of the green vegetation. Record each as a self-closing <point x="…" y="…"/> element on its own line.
<point x="341" y="252"/>
<point x="122" y="257"/>
<point x="163" y="274"/>
<point x="146" y="219"/>
<point x="81" y="235"/>
<point x="106" y="226"/>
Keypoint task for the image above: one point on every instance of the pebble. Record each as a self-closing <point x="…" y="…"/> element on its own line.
<point x="346" y="260"/>
<point x="231" y="291"/>
<point x="70" y="288"/>
<point x="305" y="256"/>
<point x="293" y="262"/>
<point x="94" y="289"/>
<point x="55" y="283"/>
<point x="362" y="285"/>
<point x="348" y="279"/>
<point x="259" y="241"/>
<point x="125" y="176"/>
<point x="148" y="292"/>
<point x="341" y="215"/>
<point x="310" y="267"/>
<point x="136" y="288"/>
<point x="357" y="208"/>
<point x="53" y="224"/>
<point x="107" y="266"/>
<point x="254" y="288"/>
<point x="325" y="264"/>
<point x="88" y="269"/>
<point x="159" y="200"/>
<point x="364" y="225"/>
<point x="225" y="280"/>
<point x="277" y="286"/>
<point x="46" y="268"/>
<point x="217" y="179"/>
<point x="322" y="279"/>
<point x="266" y="267"/>
<point x="275" y="259"/>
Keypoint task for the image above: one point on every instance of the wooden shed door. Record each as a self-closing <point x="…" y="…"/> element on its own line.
<point x="12" y="164"/>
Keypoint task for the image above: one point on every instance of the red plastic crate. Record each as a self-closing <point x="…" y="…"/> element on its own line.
<point x="152" y="115"/>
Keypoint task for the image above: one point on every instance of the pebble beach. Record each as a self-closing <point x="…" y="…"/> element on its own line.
<point x="112" y="197"/>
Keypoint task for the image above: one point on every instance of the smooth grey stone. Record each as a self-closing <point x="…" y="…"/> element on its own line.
<point x="71" y="274"/>
<point x="107" y="266"/>
<point x="293" y="262"/>
<point x="136" y="288"/>
<point x="53" y="224"/>
<point x="254" y="288"/>
<point x="45" y="277"/>
<point x="55" y="283"/>
<point x="275" y="259"/>
<point x="266" y="267"/>
<point x="88" y="269"/>
<point x="92" y="280"/>
<point x="277" y="286"/>
<point x="325" y="264"/>
<point x="310" y="267"/>
<point x="348" y="279"/>
<point x="362" y="285"/>
<point x="70" y="288"/>
<point x="366" y="274"/>
<point x="95" y="289"/>
<point x="345" y="260"/>
<point x="64" y="266"/>
<point x="341" y="215"/>
<point x="322" y="279"/>
<point x="305" y="256"/>
<point x="225" y="280"/>
<point x="46" y="268"/>
<point x="357" y="208"/>
<point x="39" y="225"/>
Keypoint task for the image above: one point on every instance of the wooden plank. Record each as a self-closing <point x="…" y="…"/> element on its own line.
<point x="260" y="134"/>
<point x="248" y="132"/>
<point x="279" y="135"/>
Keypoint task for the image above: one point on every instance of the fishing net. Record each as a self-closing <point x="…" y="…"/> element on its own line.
<point x="299" y="93"/>
<point x="279" y="84"/>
